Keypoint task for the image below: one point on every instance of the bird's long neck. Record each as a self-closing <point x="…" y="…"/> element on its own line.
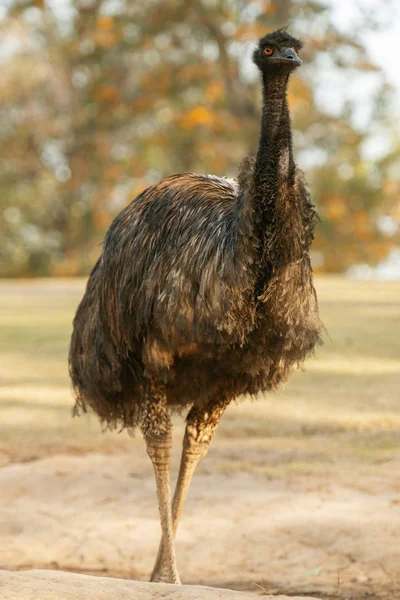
<point x="274" y="226"/>
<point x="274" y="163"/>
<point x="269" y="211"/>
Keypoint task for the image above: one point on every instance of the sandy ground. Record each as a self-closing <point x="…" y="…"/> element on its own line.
<point x="97" y="514"/>
<point x="299" y="494"/>
<point x="47" y="585"/>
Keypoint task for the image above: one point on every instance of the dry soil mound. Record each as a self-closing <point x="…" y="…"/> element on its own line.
<point x="51" y="585"/>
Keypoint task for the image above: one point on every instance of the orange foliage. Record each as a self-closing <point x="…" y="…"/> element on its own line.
<point x="396" y="211"/>
<point x="158" y="84"/>
<point x="101" y="218"/>
<point x="298" y="93"/>
<point x="332" y="261"/>
<point x="101" y="144"/>
<point x="219" y="163"/>
<point x="106" y="39"/>
<point x="215" y="90"/>
<point x="334" y="207"/>
<point x="142" y="104"/>
<point x="380" y="249"/>
<point x="269" y="8"/>
<point x="69" y="266"/>
<point x="392" y="187"/>
<point x="105" y="23"/>
<point x="197" y="116"/>
<point x="138" y="188"/>
<point x="195" y="72"/>
<point x="112" y="172"/>
<point x="108" y="93"/>
<point x="250" y="31"/>
<point x="362" y="225"/>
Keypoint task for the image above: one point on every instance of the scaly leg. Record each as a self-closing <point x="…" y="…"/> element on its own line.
<point x="201" y="424"/>
<point x="155" y="424"/>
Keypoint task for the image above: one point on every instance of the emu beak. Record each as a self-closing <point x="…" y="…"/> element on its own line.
<point x="290" y="55"/>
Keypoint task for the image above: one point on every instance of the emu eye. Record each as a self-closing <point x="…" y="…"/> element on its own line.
<point x="268" y="51"/>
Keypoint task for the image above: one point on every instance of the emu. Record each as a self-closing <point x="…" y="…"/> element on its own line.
<point x="203" y="292"/>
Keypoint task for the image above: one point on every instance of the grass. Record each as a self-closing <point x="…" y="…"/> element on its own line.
<point x="345" y="401"/>
<point x="35" y="396"/>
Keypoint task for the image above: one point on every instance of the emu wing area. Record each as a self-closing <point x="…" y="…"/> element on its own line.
<point x="170" y="266"/>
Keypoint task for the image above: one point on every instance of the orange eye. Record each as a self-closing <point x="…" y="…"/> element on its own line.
<point x="268" y="51"/>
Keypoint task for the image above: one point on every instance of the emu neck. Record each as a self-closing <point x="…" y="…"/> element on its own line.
<point x="274" y="163"/>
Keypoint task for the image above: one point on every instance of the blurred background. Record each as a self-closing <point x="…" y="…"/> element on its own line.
<point x="99" y="99"/>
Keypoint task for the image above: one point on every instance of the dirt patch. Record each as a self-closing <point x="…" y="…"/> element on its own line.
<point x="49" y="585"/>
<point x="97" y="514"/>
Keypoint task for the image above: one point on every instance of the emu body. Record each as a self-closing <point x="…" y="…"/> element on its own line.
<point x="177" y="296"/>
<point x="203" y="292"/>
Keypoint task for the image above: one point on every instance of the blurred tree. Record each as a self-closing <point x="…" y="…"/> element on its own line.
<point x="99" y="99"/>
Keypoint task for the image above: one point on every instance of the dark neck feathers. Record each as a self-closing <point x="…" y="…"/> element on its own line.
<point x="274" y="163"/>
<point x="270" y="213"/>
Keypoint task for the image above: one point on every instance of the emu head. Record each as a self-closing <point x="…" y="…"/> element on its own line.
<point x="277" y="51"/>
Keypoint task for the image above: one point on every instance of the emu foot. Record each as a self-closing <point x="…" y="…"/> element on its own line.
<point x="165" y="575"/>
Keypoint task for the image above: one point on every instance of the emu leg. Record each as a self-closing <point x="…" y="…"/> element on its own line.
<point x="201" y="424"/>
<point x="155" y="424"/>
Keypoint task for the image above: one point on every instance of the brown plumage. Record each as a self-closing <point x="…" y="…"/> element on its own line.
<point x="203" y="292"/>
